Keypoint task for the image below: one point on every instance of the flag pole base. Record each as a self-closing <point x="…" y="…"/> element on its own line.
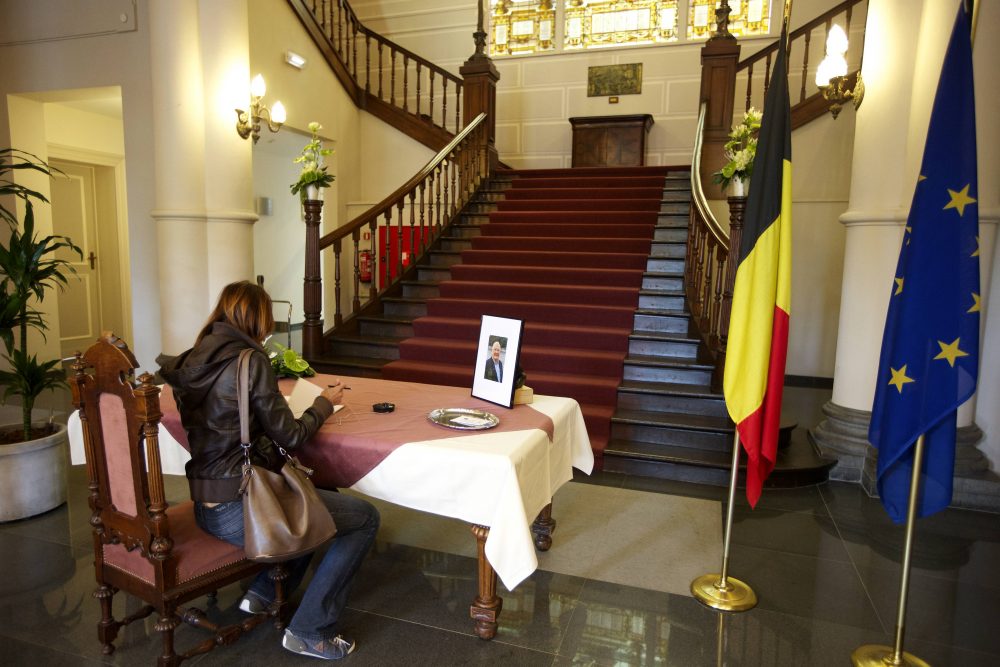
<point x="876" y="655"/>
<point x="734" y="596"/>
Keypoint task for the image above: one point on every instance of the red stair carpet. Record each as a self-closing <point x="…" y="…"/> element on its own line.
<point x="565" y="251"/>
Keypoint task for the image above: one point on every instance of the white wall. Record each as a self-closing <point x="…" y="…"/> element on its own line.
<point x="95" y="51"/>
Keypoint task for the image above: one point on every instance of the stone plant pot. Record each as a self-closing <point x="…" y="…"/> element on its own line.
<point x="33" y="474"/>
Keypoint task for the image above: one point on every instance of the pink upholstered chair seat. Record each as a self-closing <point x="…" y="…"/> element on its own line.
<point x="196" y="552"/>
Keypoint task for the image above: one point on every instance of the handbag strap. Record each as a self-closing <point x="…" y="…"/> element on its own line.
<point x="243" y="405"/>
<point x="242" y="396"/>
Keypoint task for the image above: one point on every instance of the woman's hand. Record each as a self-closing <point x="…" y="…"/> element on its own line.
<point x="334" y="393"/>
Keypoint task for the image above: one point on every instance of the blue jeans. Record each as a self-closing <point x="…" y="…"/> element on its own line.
<point x="326" y="596"/>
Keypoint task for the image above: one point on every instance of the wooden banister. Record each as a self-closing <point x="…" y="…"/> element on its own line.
<point x="421" y="208"/>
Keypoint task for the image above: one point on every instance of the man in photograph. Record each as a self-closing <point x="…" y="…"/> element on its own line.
<point x="494" y="367"/>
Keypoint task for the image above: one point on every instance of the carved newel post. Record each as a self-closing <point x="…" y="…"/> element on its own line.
<point x="719" y="58"/>
<point x="312" y="327"/>
<point x="480" y="89"/>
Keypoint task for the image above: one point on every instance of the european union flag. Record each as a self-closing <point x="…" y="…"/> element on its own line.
<point x="930" y="350"/>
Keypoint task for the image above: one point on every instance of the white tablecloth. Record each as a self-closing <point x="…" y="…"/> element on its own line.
<point x="500" y="480"/>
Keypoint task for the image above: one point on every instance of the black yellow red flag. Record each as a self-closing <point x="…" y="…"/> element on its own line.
<point x="758" y="329"/>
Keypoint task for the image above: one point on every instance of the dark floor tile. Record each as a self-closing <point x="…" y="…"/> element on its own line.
<point x="436" y="589"/>
<point x="820" y="589"/>
<point x="792" y="532"/>
<point x="17" y="653"/>
<point x="944" y="612"/>
<point x="618" y="625"/>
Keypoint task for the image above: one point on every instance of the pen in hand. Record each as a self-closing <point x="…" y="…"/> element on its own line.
<point x="344" y="387"/>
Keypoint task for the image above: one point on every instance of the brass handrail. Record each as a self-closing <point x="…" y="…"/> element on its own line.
<point x="708" y="274"/>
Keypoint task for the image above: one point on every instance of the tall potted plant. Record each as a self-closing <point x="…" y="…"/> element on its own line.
<point x="32" y="456"/>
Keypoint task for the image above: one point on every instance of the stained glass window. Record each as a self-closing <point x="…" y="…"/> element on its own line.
<point x="746" y="18"/>
<point x="597" y="23"/>
<point x="521" y="26"/>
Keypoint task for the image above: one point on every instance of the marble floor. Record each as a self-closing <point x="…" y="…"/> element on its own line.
<point x="823" y="560"/>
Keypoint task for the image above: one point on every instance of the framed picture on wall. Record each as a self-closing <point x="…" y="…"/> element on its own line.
<point x="498" y="352"/>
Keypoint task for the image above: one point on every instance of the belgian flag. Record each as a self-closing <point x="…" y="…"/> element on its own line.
<point x="758" y="329"/>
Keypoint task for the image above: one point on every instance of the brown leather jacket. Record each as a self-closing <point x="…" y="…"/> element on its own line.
<point x="203" y="380"/>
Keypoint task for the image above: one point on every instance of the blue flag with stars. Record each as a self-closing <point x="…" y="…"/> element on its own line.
<point x="930" y="349"/>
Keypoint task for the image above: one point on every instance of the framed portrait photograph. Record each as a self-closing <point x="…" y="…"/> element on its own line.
<point x="498" y="351"/>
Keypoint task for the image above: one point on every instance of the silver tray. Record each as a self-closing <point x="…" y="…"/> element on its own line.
<point x="464" y="419"/>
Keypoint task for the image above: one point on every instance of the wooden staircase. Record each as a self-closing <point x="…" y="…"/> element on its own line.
<point x="667" y="422"/>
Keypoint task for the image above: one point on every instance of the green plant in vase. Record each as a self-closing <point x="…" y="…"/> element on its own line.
<point x="28" y="269"/>
<point x="313" y="171"/>
<point x="287" y="363"/>
<point x="740" y="150"/>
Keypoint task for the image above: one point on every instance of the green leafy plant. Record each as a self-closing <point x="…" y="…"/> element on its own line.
<point x="28" y="269"/>
<point x="287" y="363"/>
<point x="313" y="170"/>
<point x="740" y="150"/>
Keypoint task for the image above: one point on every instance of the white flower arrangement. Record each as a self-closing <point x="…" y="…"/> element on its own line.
<point x="740" y="150"/>
<point x="313" y="170"/>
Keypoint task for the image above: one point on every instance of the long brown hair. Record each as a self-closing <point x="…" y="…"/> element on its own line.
<point x="245" y="306"/>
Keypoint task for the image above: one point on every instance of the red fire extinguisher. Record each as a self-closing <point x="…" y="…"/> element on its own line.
<point x="365" y="266"/>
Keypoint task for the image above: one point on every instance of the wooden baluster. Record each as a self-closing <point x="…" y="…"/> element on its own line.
<point x="438" y="222"/>
<point x="423" y="226"/>
<point x="392" y="79"/>
<point x="805" y="67"/>
<point x="413" y="227"/>
<point x="406" y="82"/>
<point x="417" y="110"/>
<point x="444" y="103"/>
<point x="368" y="63"/>
<point x="720" y="281"/>
<point x="338" y="317"/>
<point x="354" y="48"/>
<point x="340" y="29"/>
<point x="454" y="187"/>
<point x="749" y="85"/>
<point x="380" y="70"/>
<point x="356" y="299"/>
<point x="767" y="74"/>
<point x="373" y="234"/>
<point x="312" y="328"/>
<point x="399" y="242"/>
<point x="430" y="85"/>
<point x="458" y="108"/>
<point x="388" y="250"/>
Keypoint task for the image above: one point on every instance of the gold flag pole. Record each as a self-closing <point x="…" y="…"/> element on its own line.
<point x="720" y="591"/>
<point x="877" y="655"/>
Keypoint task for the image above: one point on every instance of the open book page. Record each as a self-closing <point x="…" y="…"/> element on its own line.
<point x="303" y="394"/>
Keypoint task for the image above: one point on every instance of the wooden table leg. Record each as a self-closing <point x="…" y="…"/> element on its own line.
<point x="543" y="527"/>
<point x="485" y="609"/>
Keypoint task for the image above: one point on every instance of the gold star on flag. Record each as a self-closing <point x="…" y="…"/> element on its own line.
<point x="950" y="352"/>
<point x="975" y="304"/>
<point x="976" y="254"/>
<point x="899" y="378"/>
<point x="959" y="200"/>
<point x="906" y="233"/>
<point x="899" y="286"/>
<point x="921" y="177"/>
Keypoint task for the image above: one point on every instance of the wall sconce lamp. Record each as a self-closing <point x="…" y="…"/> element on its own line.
<point x="831" y="75"/>
<point x="248" y="123"/>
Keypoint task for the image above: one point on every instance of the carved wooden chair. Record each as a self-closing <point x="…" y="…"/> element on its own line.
<point x="143" y="546"/>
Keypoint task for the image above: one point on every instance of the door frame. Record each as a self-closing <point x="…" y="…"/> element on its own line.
<point x="117" y="164"/>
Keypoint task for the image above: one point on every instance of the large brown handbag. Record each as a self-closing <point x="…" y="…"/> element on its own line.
<point x="283" y="515"/>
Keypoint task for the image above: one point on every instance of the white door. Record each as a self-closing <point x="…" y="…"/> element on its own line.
<point x="74" y="214"/>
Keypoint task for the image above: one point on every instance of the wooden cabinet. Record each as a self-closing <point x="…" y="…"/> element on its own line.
<point x="610" y="141"/>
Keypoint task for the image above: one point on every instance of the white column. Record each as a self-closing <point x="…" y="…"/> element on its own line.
<point x="228" y="171"/>
<point x="199" y="59"/>
<point x="883" y="175"/>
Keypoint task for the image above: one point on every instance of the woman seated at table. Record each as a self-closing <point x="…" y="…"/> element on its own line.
<point x="204" y="384"/>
